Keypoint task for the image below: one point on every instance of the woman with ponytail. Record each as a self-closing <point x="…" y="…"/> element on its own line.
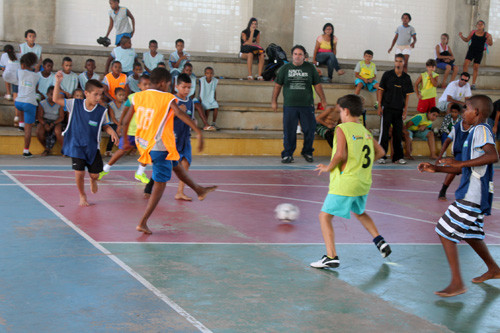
<point x="325" y="51"/>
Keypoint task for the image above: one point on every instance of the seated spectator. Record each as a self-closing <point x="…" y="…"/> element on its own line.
<point x="125" y="54"/>
<point x="161" y="64"/>
<point x="113" y="80"/>
<point x="70" y="79"/>
<point x="47" y="78"/>
<point x="250" y="48"/>
<point x="450" y="120"/>
<point x="365" y="73"/>
<point x="9" y="63"/>
<point x="115" y="110"/>
<point x="456" y="92"/>
<point x="133" y="79"/>
<point x="178" y="58"/>
<point x="208" y="97"/>
<point x="152" y="58"/>
<point x="88" y="74"/>
<point x="326" y="122"/>
<point x="445" y="60"/>
<point x="78" y="94"/>
<point x="420" y="126"/>
<point x="50" y="117"/>
<point x="325" y="51"/>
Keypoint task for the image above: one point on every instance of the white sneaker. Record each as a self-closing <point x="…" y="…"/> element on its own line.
<point x="401" y="161"/>
<point x="326" y="262"/>
<point x="299" y="129"/>
<point x="381" y="161"/>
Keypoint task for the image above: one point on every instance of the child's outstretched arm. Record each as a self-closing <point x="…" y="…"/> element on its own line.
<point x="490" y="156"/>
<point x="188" y="121"/>
<point x="468" y="37"/>
<point x="110" y="27"/>
<point x="58" y="98"/>
<point x="340" y="154"/>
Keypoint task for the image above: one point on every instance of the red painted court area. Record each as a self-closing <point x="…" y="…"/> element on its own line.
<point x="403" y="204"/>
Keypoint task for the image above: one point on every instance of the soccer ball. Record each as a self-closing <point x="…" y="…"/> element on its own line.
<point x="287" y="212"/>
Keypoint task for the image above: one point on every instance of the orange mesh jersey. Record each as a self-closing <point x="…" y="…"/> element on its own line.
<point x="155" y="124"/>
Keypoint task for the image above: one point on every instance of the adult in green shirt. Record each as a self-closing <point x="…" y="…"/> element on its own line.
<point x="297" y="79"/>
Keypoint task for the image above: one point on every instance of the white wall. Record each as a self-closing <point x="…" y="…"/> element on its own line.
<point x="493" y="27"/>
<point x="205" y="26"/>
<point x="370" y="24"/>
<point x="2" y="23"/>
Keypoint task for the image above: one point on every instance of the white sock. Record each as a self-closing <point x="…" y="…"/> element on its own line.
<point x="25" y="151"/>
<point x="141" y="169"/>
<point x="21" y="124"/>
<point x="106" y="167"/>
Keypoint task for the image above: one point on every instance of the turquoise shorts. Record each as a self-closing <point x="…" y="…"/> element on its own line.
<point x="342" y="206"/>
<point x="369" y="86"/>
<point x="422" y="135"/>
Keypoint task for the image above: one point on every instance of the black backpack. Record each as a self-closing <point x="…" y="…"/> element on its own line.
<point x="275" y="54"/>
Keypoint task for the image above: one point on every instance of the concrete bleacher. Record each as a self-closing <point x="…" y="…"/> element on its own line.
<point x="248" y="126"/>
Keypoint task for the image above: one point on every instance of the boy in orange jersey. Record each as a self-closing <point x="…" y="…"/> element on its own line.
<point x="115" y="79"/>
<point x="155" y="110"/>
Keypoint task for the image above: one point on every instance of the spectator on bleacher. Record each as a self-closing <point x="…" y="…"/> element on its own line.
<point x="479" y="39"/>
<point x="445" y="60"/>
<point x="456" y="92"/>
<point x="78" y="94"/>
<point x="325" y="51"/>
<point x="394" y="91"/>
<point x="47" y="78"/>
<point x="250" y="48"/>
<point x="9" y="63"/>
<point x="115" y="110"/>
<point x="133" y="79"/>
<point x="89" y="74"/>
<point x="208" y="97"/>
<point x="113" y="80"/>
<point x="50" y="118"/>
<point x="119" y="18"/>
<point x="178" y="58"/>
<point x="326" y="122"/>
<point x="152" y="57"/>
<point x="420" y="126"/>
<point x="31" y="46"/>
<point x="125" y="54"/>
<point x="297" y="79"/>
<point x="404" y="34"/>
<point x="70" y="79"/>
<point x="365" y="73"/>
<point x="450" y="120"/>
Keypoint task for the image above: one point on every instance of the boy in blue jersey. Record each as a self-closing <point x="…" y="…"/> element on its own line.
<point x="83" y="133"/>
<point x="464" y="218"/>
<point x="354" y="151"/>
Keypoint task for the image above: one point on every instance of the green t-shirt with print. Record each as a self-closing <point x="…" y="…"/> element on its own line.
<point x="297" y="82"/>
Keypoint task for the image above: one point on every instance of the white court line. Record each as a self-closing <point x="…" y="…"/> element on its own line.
<point x="120" y="263"/>
<point x="266" y="244"/>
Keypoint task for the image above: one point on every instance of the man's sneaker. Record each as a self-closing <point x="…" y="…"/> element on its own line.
<point x="142" y="178"/>
<point x="381" y="161"/>
<point x="326" y="262"/>
<point x="384" y="248"/>
<point x="27" y="155"/>
<point x="102" y="174"/>
<point x="401" y="161"/>
<point x="287" y="159"/>
<point x="308" y="158"/>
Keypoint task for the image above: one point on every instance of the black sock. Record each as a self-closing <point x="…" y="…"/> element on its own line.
<point x="149" y="186"/>
<point x="378" y="239"/>
<point x="442" y="193"/>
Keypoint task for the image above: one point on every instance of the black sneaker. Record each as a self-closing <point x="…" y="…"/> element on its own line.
<point x="308" y="158"/>
<point x="326" y="262"/>
<point x="27" y="155"/>
<point x="20" y="129"/>
<point x="287" y="159"/>
<point x="384" y="248"/>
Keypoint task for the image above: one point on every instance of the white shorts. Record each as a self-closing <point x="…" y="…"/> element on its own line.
<point x="404" y="49"/>
<point x="443" y="105"/>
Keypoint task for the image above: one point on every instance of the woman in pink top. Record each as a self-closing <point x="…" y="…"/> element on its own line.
<point x="325" y="51"/>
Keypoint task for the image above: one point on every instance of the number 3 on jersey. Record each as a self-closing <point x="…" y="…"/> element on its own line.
<point x="144" y="117"/>
<point x="367" y="161"/>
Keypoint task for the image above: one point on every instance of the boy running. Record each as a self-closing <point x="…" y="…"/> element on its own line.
<point x="464" y="218"/>
<point x="354" y="151"/>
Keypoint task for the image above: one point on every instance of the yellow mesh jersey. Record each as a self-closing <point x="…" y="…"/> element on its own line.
<point x="428" y="90"/>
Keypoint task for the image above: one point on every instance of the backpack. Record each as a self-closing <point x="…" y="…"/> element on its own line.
<point x="271" y="70"/>
<point x="275" y="54"/>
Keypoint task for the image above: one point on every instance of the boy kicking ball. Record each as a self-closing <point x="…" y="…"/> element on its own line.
<point x="83" y="133"/>
<point x="464" y="218"/>
<point x="354" y="151"/>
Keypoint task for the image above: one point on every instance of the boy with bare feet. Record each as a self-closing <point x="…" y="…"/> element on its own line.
<point x="464" y="218"/>
<point x="155" y="110"/>
<point x="83" y="133"/>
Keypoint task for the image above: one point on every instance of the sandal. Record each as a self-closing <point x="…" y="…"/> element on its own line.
<point x="209" y="128"/>
<point x="260" y="78"/>
<point x="249" y="77"/>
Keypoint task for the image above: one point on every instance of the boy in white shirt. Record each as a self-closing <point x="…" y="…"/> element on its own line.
<point x="89" y="74"/>
<point x="70" y="79"/>
<point x="152" y="58"/>
<point x="118" y="17"/>
<point x="125" y="54"/>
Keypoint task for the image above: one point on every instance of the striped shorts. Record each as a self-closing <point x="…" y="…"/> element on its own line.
<point x="462" y="220"/>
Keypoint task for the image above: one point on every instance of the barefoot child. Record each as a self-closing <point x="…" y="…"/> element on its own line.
<point x="464" y="218"/>
<point x="208" y="97"/>
<point x="155" y="110"/>
<point x="83" y="133"/>
<point x="350" y="179"/>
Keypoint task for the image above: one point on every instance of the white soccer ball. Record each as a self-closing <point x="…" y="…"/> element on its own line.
<point x="287" y="212"/>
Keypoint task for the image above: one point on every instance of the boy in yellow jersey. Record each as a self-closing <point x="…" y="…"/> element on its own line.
<point x="366" y="74"/>
<point x="354" y="151"/>
<point x="428" y="82"/>
<point x="155" y="110"/>
<point x="420" y="126"/>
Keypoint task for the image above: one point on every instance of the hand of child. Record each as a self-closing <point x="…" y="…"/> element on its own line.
<point x="119" y="130"/>
<point x="450" y="161"/>
<point x="182" y="107"/>
<point x="460" y="34"/>
<point x="115" y="138"/>
<point x="422" y="128"/>
<point x="389" y="51"/>
<point x="59" y="76"/>
<point x="321" y="168"/>
<point x="426" y="167"/>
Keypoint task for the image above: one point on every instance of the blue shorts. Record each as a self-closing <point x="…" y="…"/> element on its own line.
<point x="369" y="86"/>
<point x="342" y="206"/>
<point x="419" y="134"/>
<point x="442" y="65"/>
<point x="162" y="168"/>
<point x="29" y="111"/>
<point x="119" y="37"/>
<point x="131" y="141"/>
<point x="15" y="88"/>
<point x="186" y="153"/>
